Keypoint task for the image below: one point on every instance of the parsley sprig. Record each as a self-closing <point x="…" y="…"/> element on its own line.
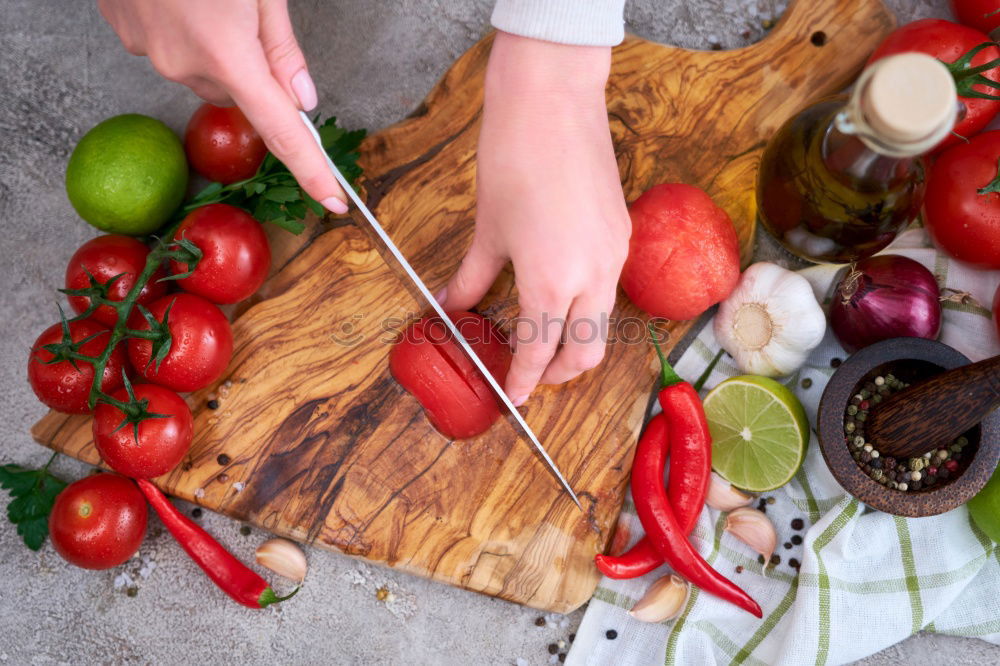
<point x="32" y="492"/>
<point x="273" y="194"/>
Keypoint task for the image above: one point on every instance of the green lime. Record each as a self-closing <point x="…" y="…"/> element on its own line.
<point x="759" y="432"/>
<point x="984" y="508"/>
<point x="127" y="175"/>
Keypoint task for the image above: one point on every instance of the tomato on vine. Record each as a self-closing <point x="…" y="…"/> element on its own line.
<point x="59" y="377"/>
<point x="144" y="431"/>
<point x="222" y="145"/>
<point x="969" y="54"/>
<point x="236" y="255"/>
<point x="192" y="348"/>
<point x="112" y="258"/>
<point x="99" y="521"/>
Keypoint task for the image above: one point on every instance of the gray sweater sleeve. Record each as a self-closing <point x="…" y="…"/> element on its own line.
<point x="582" y="22"/>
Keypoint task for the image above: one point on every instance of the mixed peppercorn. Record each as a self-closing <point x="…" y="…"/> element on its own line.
<point x="904" y="475"/>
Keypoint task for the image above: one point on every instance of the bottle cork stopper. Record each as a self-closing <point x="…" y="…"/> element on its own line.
<point x="909" y="97"/>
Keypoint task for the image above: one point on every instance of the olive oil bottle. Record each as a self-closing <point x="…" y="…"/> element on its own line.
<point x="841" y="179"/>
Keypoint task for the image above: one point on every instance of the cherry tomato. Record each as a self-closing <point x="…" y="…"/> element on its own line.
<point x="235" y="253"/>
<point x="982" y="15"/>
<point x="163" y="441"/>
<point x="683" y="256"/>
<point x="105" y="257"/>
<point x="948" y="41"/>
<point x="200" y="347"/>
<point x="962" y="217"/>
<point x="222" y="145"/>
<point x="456" y="398"/>
<point x="62" y="386"/>
<point x="98" y="522"/>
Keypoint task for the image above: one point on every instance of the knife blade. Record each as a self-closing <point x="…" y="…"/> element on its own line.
<point x="422" y="289"/>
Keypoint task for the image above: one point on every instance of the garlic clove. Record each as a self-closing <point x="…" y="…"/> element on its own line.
<point x="663" y="600"/>
<point x="753" y="528"/>
<point x="723" y="496"/>
<point x="283" y="558"/>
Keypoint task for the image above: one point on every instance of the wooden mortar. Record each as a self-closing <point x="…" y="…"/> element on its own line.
<point x="912" y="360"/>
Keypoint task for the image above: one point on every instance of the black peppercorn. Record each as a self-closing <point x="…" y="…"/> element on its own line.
<point x="572" y="637"/>
<point x="196" y="512"/>
<point x="212" y="404"/>
<point x="562" y="657"/>
<point x="540" y="622"/>
<point x="835" y="362"/>
<point x="553" y="648"/>
<point x="132" y="591"/>
<point x="798" y="523"/>
<point x="739" y="569"/>
<point x="796" y="539"/>
<point x="223" y="459"/>
<point x="794" y="563"/>
<point x="775" y="560"/>
<point x="788" y="545"/>
<point x="760" y="559"/>
<point x="611" y="634"/>
<point x="245" y="530"/>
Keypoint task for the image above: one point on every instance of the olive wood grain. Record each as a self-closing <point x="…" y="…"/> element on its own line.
<point x="322" y="446"/>
<point x="936" y="411"/>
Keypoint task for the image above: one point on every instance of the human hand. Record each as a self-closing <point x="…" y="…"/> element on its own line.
<point x="550" y="200"/>
<point x="235" y="51"/>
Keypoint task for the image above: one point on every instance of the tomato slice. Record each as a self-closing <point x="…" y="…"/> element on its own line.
<point x="431" y="366"/>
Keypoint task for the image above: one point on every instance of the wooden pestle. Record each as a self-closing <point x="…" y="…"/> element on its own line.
<point x="934" y="412"/>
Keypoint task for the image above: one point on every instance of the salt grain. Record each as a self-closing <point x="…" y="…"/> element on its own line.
<point x="239" y="486"/>
<point x="199" y="493"/>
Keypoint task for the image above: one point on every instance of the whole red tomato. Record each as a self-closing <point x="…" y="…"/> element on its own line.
<point x="962" y="201"/>
<point x="430" y="365"/>
<point x="62" y="386"/>
<point x="105" y="257"/>
<point x="163" y="440"/>
<point x="983" y="15"/>
<point x="683" y="256"/>
<point x="235" y="253"/>
<point x="200" y="347"/>
<point x="222" y="145"/>
<point x="948" y="42"/>
<point x="98" y="522"/>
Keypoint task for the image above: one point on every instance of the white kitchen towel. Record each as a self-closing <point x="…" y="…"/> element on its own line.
<point x="867" y="579"/>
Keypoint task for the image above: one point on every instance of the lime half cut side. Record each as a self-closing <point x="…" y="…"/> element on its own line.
<point x="759" y="432"/>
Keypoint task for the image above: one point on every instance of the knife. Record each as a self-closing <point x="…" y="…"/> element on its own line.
<point x="422" y="289"/>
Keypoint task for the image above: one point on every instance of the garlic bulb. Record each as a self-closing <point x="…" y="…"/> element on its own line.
<point x="663" y="600"/>
<point x="770" y="322"/>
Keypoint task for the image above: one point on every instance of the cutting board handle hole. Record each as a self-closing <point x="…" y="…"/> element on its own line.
<point x="818" y="38"/>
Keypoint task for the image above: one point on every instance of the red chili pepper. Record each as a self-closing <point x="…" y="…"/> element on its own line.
<point x="665" y="534"/>
<point x="234" y="578"/>
<point x="683" y="426"/>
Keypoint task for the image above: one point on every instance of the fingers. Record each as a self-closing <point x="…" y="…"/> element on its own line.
<point x="537" y="334"/>
<point x="288" y="65"/>
<point x="209" y="91"/>
<point x="473" y="278"/>
<point x="276" y="117"/>
<point x="584" y="339"/>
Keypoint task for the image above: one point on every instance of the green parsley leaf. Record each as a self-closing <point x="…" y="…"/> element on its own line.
<point x="273" y="195"/>
<point x="33" y="492"/>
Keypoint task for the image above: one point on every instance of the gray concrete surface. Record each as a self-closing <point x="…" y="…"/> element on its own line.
<point x="62" y="71"/>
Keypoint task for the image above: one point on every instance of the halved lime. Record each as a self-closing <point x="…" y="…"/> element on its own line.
<point x="985" y="507"/>
<point x="759" y="432"/>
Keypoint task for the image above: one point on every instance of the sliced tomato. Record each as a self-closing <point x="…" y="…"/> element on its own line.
<point x="431" y="366"/>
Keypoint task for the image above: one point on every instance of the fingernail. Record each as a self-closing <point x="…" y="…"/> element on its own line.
<point x="305" y="89"/>
<point x="441" y="296"/>
<point x="520" y="400"/>
<point x="334" y="205"/>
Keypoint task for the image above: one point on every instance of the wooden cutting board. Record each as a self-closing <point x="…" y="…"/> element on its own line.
<point x="313" y="439"/>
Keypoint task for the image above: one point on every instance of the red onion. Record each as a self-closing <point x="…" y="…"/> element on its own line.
<point x="888" y="296"/>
